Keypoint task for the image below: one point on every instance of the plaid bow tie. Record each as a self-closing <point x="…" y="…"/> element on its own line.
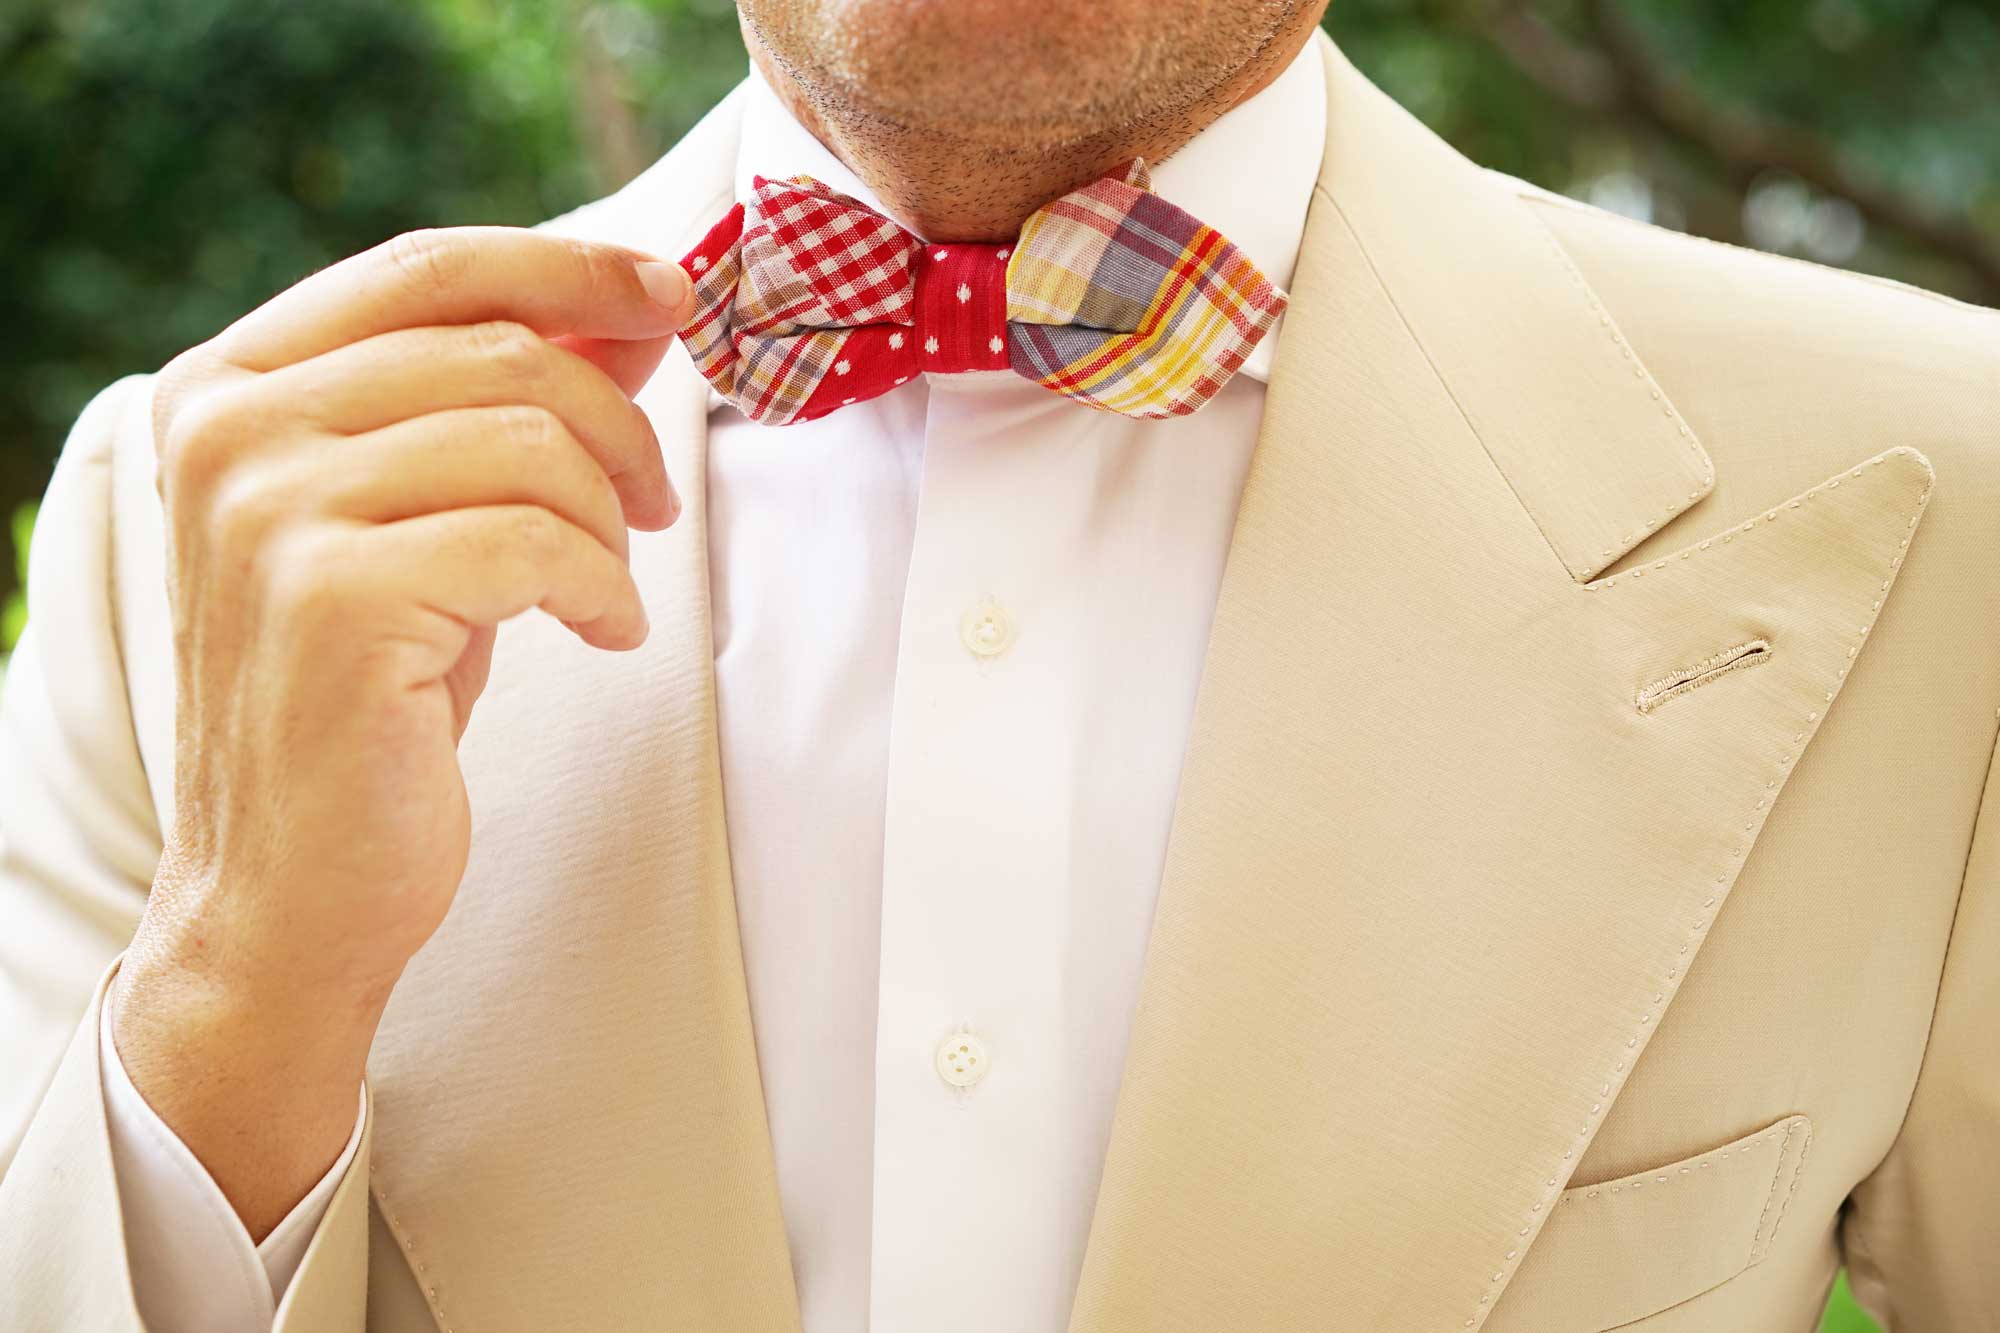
<point x="806" y="301"/>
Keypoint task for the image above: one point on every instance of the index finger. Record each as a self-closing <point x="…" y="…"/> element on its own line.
<point x="556" y="285"/>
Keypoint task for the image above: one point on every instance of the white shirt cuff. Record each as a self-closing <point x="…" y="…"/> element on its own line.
<point x="193" y="1267"/>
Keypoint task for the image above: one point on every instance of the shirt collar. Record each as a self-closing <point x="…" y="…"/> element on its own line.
<point x="1249" y="175"/>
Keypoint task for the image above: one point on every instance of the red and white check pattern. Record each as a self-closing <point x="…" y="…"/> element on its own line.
<point x="813" y="261"/>
<point x="780" y="284"/>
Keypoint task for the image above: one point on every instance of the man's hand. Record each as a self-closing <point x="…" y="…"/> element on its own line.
<point x="360" y="480"/>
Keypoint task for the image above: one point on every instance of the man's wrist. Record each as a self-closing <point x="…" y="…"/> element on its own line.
<point x="259" y="1085"/>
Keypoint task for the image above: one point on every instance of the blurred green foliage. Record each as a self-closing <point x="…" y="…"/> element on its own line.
<point x="14" y="606"/>
<point x="173" y="164"/>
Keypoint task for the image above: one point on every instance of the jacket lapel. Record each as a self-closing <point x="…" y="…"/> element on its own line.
<point x="570" y="1126"/>
<point x="1436" y="872"/>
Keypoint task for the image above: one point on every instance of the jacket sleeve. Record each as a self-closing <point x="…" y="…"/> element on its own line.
<point x="1922" y="1233"/>
<point x="80" y="820"/>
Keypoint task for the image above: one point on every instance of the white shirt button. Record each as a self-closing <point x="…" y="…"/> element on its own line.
<point x="986" y="629"/>
<point x="961" y="1059"/>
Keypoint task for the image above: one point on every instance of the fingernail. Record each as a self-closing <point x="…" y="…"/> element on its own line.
<point x="665" y="283"/>
<point x="673" y="503"/>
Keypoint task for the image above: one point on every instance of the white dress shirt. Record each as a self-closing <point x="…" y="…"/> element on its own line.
<point x="958" y="632"/>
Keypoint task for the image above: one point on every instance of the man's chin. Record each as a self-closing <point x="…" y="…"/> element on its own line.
<point x="1007" y="74"/>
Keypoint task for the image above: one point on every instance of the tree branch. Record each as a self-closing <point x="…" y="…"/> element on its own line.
<point x="1621" y="75"/>
<point x="610" y="130"/>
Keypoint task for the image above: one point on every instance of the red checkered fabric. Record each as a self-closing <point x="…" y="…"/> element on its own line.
<point x="811" y="260"/>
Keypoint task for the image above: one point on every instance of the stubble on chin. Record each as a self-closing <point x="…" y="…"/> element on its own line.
<point x="967" y="115"/>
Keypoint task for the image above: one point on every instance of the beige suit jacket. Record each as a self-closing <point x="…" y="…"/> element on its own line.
<point x="1583" y="906"/>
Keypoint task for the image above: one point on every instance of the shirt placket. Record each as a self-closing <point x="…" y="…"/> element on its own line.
<point x="975" y="1085"/>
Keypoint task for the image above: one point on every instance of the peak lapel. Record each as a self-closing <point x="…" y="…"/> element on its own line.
<point x="1436" y="872"/>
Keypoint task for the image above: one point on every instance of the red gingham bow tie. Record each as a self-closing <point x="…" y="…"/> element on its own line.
<point x="806" y="300"/>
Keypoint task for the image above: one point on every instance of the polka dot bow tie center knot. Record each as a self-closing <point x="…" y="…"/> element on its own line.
<point x="806" y="301"/>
